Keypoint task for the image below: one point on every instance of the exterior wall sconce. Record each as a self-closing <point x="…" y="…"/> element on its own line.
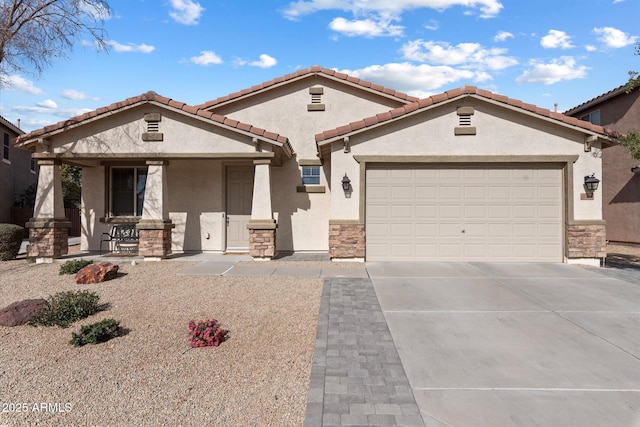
<point x="346" y="185"/>
<point x="591" y="185"/>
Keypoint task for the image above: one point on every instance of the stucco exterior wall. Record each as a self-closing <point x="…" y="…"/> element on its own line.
<point x="303" y="217"/>
<point x="93" y="207"/>
<point x="620" y="187"/>
<point x="15" y="174"/>
<point x="500" y="132"/>
<point x="122" y="133"/>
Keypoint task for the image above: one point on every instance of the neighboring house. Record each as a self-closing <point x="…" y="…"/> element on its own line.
<point x="17" y="170"/>
<point x="324" y="162"/>
<point x="619" y="111"/>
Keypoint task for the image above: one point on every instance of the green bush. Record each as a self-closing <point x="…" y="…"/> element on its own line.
<point x="73" y="266"/>
<point x="67" y="307"/>
<point x="11" y="236"/>
<point x="96" y="333"/>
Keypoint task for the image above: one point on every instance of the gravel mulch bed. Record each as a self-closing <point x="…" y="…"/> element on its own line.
<point x="151" y="377"/>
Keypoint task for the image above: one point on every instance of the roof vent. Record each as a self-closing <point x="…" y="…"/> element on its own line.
<point x="464" y="121"/>
<point x="153" y="127"/>
<point x="316" y="99"/>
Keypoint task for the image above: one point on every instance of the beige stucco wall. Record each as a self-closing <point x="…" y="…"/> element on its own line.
<point x="122" y="133"/>
<point x="500" y="132"/>
<point x="303" y="217"/>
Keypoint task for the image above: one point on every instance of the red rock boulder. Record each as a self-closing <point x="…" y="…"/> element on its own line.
<point x="21" y="312"/>
<point x="97" y="273"/>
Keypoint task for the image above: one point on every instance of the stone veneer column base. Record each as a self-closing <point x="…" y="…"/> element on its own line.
<point x="586" y="242"/>
<point x="155" y="239"/>
<point x="346" y="241"/>
<point x="262" y="239"/>
<point x="48" y="238"/>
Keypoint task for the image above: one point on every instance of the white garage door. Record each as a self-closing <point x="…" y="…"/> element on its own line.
<point x="464" y="213"/>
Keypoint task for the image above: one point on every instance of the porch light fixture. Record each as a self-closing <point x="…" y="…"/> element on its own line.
<point x="346" y="183"/>
<point x="591" y="183"/>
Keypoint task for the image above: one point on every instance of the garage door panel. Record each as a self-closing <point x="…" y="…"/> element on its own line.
<point x="426" y="231"/>
<point x="508" y="213"/>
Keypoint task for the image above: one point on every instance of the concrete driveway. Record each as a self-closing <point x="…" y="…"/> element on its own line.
<point x="514" y="344"/>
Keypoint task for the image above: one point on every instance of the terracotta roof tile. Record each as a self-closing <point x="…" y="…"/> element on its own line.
<point x="316" y="69"/>
<point x="154" y="97"/>
<point x="455" y="93"/>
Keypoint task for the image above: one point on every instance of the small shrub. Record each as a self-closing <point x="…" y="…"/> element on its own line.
<point x="67" y="307"/>
<point x="96" y="333"/>
<point x="73" y="266"/>
<point x="206" y="333"/>
<point x="11" y="236"/>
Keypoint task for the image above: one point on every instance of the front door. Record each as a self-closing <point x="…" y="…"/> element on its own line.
<point x="239" y="197"/>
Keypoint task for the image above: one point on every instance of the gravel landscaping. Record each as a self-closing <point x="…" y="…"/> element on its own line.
<point x="151" y="376"/>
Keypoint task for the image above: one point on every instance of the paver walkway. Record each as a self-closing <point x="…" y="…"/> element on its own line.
<point x="357" y="377"/>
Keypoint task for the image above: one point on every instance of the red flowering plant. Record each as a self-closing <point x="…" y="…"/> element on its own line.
<point x="206" y="333"/>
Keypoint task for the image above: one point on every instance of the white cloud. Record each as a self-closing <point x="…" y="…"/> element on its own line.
<point x="265" y="61"/>
<point x="365" y="27"/>
<point x="47" y="107"/>
<point x="74" y="95"/>
<point x="564" y="68"/>
<point x="590" y="48"/>
<point x="556" y="39"/>
<point x="612" y="37"/>
<point x="186" y="12"/>
<point x="433" y="25"/>
<point x="502" y="36"/>
<point x="130" y="47"/>
<point x="206" y="57"/>
<point x="297" y="9"/>
<point x="417" y="80"/>
<point x="19" y="83"/>
<point x="48" y="104"/>
<point x="468" y="55"/>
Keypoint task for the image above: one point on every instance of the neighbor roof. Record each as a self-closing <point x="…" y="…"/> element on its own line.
<point x="598" y="99"/>
<point x="161" y="100"/>
<point x="11" y="126"/>
<point x="311" y="71"/>
<point x="426" y="103"/>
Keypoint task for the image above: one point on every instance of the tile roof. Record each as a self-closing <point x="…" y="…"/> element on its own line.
<point x="600" y="98"/>
<point x="456" y="93"/>
<point x="154" y="97"/>
<point x="314" y="70"/>
<point x="11" y="126"/>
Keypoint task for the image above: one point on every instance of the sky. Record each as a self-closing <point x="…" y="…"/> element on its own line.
<point x="542" y="52"/>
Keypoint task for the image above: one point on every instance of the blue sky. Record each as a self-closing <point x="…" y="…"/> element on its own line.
<point x="542" y="52"/>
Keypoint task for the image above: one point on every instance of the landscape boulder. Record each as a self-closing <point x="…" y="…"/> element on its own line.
<point x="97" y="273"/>
<point x="21" y="312"/>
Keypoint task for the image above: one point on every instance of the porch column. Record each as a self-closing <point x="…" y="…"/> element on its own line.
<point x="262" y="226"/>
<point x="49" y="228"/>
<point x="155" y="226"/>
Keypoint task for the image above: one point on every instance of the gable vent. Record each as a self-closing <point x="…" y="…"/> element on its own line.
<point x="464" y="121"/>
<point x="153" y="127"/>
<point x="316" y="99"/>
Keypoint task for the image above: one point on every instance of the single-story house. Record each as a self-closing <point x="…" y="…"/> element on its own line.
<point x="619" y="111"/>
<point x="320" y="161"/>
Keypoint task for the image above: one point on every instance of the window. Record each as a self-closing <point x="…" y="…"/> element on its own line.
<point x="5" y="147"/>
<point x="593" y="117"/>
<point x="127" y="190"/>
<point x="33" y="165"/>
<point x="311" y="175"/>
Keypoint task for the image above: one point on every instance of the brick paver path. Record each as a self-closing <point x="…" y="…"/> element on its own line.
<point x="357" y="377"/>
